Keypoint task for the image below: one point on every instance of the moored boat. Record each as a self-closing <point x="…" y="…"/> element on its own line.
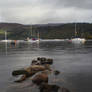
<point x="76" y="39"/>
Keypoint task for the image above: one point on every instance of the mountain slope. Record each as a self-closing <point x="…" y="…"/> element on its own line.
<point x="47" y="31"/>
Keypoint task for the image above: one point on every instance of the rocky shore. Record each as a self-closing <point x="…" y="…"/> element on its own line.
<point x="38" y="71"/>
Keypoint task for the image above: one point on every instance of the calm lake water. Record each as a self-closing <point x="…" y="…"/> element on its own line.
<point x="73" y="60"/>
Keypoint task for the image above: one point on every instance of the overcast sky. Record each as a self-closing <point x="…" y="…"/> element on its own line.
<point x="45" y="11"/>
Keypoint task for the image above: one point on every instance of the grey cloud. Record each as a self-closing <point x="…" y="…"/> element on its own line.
<point x="16" y="3"/>
<point x="84" y="4"/>
<point x="51" y="11"/>
<point x="9" y="16"/>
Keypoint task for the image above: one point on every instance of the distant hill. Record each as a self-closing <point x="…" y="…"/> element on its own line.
<point x="14" y="30"/>
<point x="47" y="31"/>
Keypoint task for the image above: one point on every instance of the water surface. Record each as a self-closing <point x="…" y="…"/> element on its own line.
<point x="73" y="60"/>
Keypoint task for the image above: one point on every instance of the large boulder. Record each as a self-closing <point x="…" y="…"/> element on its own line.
<point x="29" y="71"/>
<point x="40" y="78"/>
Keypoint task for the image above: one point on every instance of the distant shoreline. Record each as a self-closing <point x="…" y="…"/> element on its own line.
<point x="46" y="31"/>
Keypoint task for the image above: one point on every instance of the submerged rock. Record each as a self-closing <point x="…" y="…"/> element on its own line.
<point x="48" y="88"/>
<point x="52" y="88"/>
<point x="56" y="72"/>
<point x="64" y="90"/>
<point x="40" y="78"/>
<point x="20" y="72"/>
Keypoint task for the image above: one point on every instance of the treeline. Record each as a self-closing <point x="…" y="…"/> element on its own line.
<point x="46" y="31"/>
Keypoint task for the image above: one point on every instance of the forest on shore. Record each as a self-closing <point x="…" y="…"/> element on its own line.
<point x="47" y="31"/>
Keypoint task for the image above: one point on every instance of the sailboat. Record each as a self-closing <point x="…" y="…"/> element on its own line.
<point x="5" y="40"/>
<point x="77" y="39"/>
<point x="33" y="39"/>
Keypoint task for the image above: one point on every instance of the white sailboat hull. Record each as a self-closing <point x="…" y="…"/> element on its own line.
<point x="78" y="40"/>
<point x="33" y="41"/>
<point x="6" y="41"/>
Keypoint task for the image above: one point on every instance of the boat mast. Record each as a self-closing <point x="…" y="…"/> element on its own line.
<point x="6" y="42"/>
<point x="5" y="35"/>
<point x="31" y="31"/>
<point x="38" y="36"/>
<point x="75" y="30"/>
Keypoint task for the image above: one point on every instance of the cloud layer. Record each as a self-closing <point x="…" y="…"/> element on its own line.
<point x="45" y="11"/>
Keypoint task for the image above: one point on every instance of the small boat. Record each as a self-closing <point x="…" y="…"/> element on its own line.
<point x="5" y="40"/>
<point x="34" y="39"/>
<point x="76" y="39"/>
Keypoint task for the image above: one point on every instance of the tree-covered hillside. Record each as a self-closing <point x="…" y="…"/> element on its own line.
<point x="46" y="31"/>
